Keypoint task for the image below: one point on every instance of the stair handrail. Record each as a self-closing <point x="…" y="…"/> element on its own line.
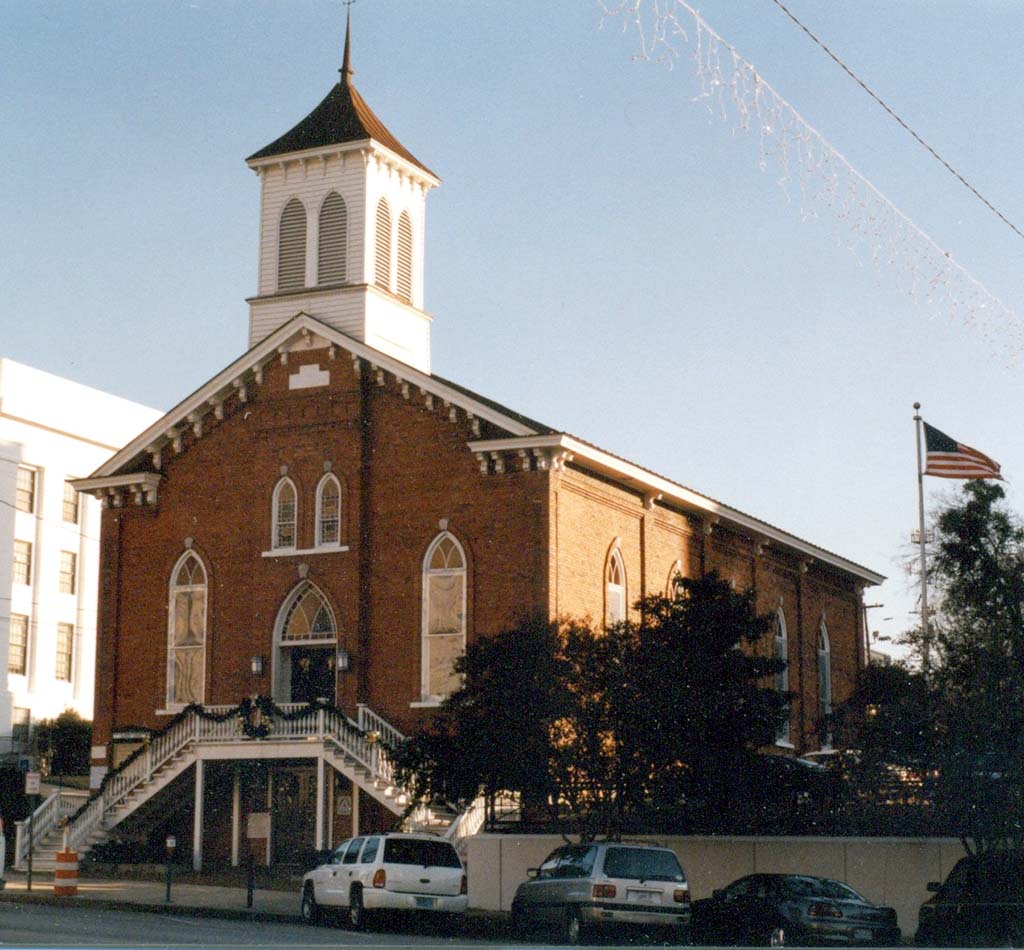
<point x="470" y="821"/>
<point x="43" y="820"/>
<point x="135" y="770"/>
<point x="373" y="724"/>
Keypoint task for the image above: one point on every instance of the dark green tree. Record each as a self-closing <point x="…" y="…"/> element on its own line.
<point x="63" y="744"/>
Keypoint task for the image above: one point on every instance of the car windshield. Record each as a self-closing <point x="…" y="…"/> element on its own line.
<point x="643" y="864"/>
<point x="820" y="887"/>
<point x="438" y="854"/>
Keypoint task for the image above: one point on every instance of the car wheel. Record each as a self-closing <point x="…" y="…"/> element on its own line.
<point x="356" y="909"/>
<point x="518" y="919"/>
<point x="571" y="927"/>
<point x="310" y="908"/>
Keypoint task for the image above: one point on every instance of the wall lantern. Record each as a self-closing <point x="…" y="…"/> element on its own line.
<point x="257" y="666"/>
<point x="344" y="661"/>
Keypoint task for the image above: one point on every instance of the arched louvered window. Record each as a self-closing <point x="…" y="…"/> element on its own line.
<point x="615" y="590"/>
<point x="186" y="636"/>
<point x="403" y="277"/>
<point x="782" y="677"/>
<point x="328" y="511"/>
<point x="332" y="246"/>
<point x="284" y="515"/>
<point x="382" y="259"/>
<point x="444" y="615"/>
<point x="291" y="248"/>
<point x="824" y="681"/>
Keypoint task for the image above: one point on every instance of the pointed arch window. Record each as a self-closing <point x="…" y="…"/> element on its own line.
<point x="332" y="242"/>
<point x="382" y="246"/>
<point x="306" y="647"/>
<point x="615" y="590"/>
<point x="782" y="677"/>
<point x="403" y="278"/>
<point x="186" y="652"/>
<point x="674" y="587"/>
<point x="291" y="248"/>
<point x="328" y="511"/>
<point x="444" y="615"/>
<point x="284" y="515"/>
<point x="824" y="681"/>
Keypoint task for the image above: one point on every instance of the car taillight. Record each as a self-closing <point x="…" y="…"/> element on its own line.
<point x="464" y="886"/>
<point x="681" y="895"/>
<point x="824" y="910"/>
<point x="380" y="879"/>
<point x="604" y="890"/>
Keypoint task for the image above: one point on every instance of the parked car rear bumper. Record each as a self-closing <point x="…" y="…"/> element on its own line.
<point x="383" y="899"/>
<point x="609" y="913"/>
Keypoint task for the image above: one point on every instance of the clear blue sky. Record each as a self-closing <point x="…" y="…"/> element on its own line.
<point x="603" y="254"/>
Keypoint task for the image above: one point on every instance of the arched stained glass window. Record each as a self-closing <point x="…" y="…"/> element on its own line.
<point x="782" y="677"/>
<point x="615" y="590"/>
<point x="186" y="652"/>
<point x="328" y="511"/>
<point x="284" y="515"/>
<point x="309" y="618"/>
<point x="332" y="246"/>
<point x="824" y="681"/>
<point x="291" y="248"/>
<point x="444" y="615"/>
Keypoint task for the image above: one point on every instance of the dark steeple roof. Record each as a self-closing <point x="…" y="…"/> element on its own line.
<point x="343" y="116"/>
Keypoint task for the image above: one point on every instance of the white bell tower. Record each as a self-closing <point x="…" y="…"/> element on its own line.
<point x="342" y="212"/>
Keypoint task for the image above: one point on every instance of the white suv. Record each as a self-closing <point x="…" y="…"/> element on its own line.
<point x="392" y="871"/>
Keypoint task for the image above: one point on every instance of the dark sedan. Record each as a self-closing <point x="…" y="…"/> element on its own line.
<point x="779" y="910"/>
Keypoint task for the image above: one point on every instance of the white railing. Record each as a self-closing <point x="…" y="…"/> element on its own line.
<point x="370" y="722"/>
<point x="473" y="818"/>
<point x="49" y="815"/>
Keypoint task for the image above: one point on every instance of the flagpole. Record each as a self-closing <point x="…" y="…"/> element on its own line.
<point x="926" y="659"/>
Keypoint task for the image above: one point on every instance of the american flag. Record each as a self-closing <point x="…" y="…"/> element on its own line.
<point x="947" y="458"/>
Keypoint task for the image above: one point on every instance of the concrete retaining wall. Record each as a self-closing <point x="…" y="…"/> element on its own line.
<point x="891" y="871"/>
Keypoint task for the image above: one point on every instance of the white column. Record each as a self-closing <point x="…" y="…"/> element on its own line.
<point x="236" y="815"/>
<point x="197" y="823"/>
<point x="355" y="810"/>
<point x="320" y="778"/>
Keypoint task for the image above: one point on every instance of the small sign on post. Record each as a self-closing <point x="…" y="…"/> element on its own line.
<point x="31" y="783"/>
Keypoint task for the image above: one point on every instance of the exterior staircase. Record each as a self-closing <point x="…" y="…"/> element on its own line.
<point x="356" y="749"/>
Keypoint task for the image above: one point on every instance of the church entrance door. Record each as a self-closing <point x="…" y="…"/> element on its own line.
<point x="312" y="674"/>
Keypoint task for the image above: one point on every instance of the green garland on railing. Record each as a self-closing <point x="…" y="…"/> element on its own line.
<point x="254" y="714"/>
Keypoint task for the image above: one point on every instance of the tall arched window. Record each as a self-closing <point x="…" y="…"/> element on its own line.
<point x="674" y="589"/>
<point x="291" y="247"/>
<point x="328" y="511"/>
<point x="403" y="277"/>
<point x="615" y="590"/>
<point x="382" y="247"/>
<point x="824" y="681"/>
<point x="284" y="515"/>
<point x="306" y="638"/>
<point x="782" y="677"/>
<point x="332" y="243"/>
<point x="186" y="636"/>
<point x="444" y="615"/>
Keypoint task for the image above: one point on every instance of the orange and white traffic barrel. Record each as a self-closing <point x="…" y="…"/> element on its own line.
<point x="65" y="877"/>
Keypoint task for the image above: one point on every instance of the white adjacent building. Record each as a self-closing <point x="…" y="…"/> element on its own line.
<point x="51" y="430"/>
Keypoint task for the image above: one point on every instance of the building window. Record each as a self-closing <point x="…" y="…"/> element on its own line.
<point x="186" y="654"/>
<point x="444" y="615"/>
<point x="70" y="509"/>
<point x="17" y="656"/>
<point x="68" y="570"/>
<point x="382" y="256"/>
<point x="22" y="572"/>
<point x="291" y="249"/>
<point x="65" y="646"/>
<point x="824" y="682"/>
<point x="674" y="587"/>
<point x="328" y="511"/>
<point x="782" y="677"/>
<point x="307" y="642"/>
<point x="332" y="243"/>
<point x="403" y="277"/>
<point x="25" y="490"/>
<point x="21" y="728"/>
<point x="615" y="590"/>
<point x="285" y="510"/>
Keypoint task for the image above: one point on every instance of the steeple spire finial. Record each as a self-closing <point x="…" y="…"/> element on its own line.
<point x="346" y="63"/>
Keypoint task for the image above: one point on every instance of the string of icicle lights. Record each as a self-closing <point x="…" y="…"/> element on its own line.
<point x="872" y="227"/>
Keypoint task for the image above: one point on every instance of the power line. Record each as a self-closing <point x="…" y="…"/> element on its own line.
<point x="860" y="82"/>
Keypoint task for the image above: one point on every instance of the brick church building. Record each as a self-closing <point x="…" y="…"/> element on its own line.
<point x="326" y="524"/>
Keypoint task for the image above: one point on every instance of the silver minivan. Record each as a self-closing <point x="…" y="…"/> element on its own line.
<point x="583" y="886"/>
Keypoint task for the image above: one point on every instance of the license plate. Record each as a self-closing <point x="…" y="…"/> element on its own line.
<point x="425" y="902"/>
<point x="642" y="897"/>
<point x="862" y="934"/>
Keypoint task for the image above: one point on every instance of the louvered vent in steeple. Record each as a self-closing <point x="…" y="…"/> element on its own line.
<point x="332" y="250"/>
<point x="403" y="277"/>
<point x="291" y="254"/>
<point x="382" y="257"/>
